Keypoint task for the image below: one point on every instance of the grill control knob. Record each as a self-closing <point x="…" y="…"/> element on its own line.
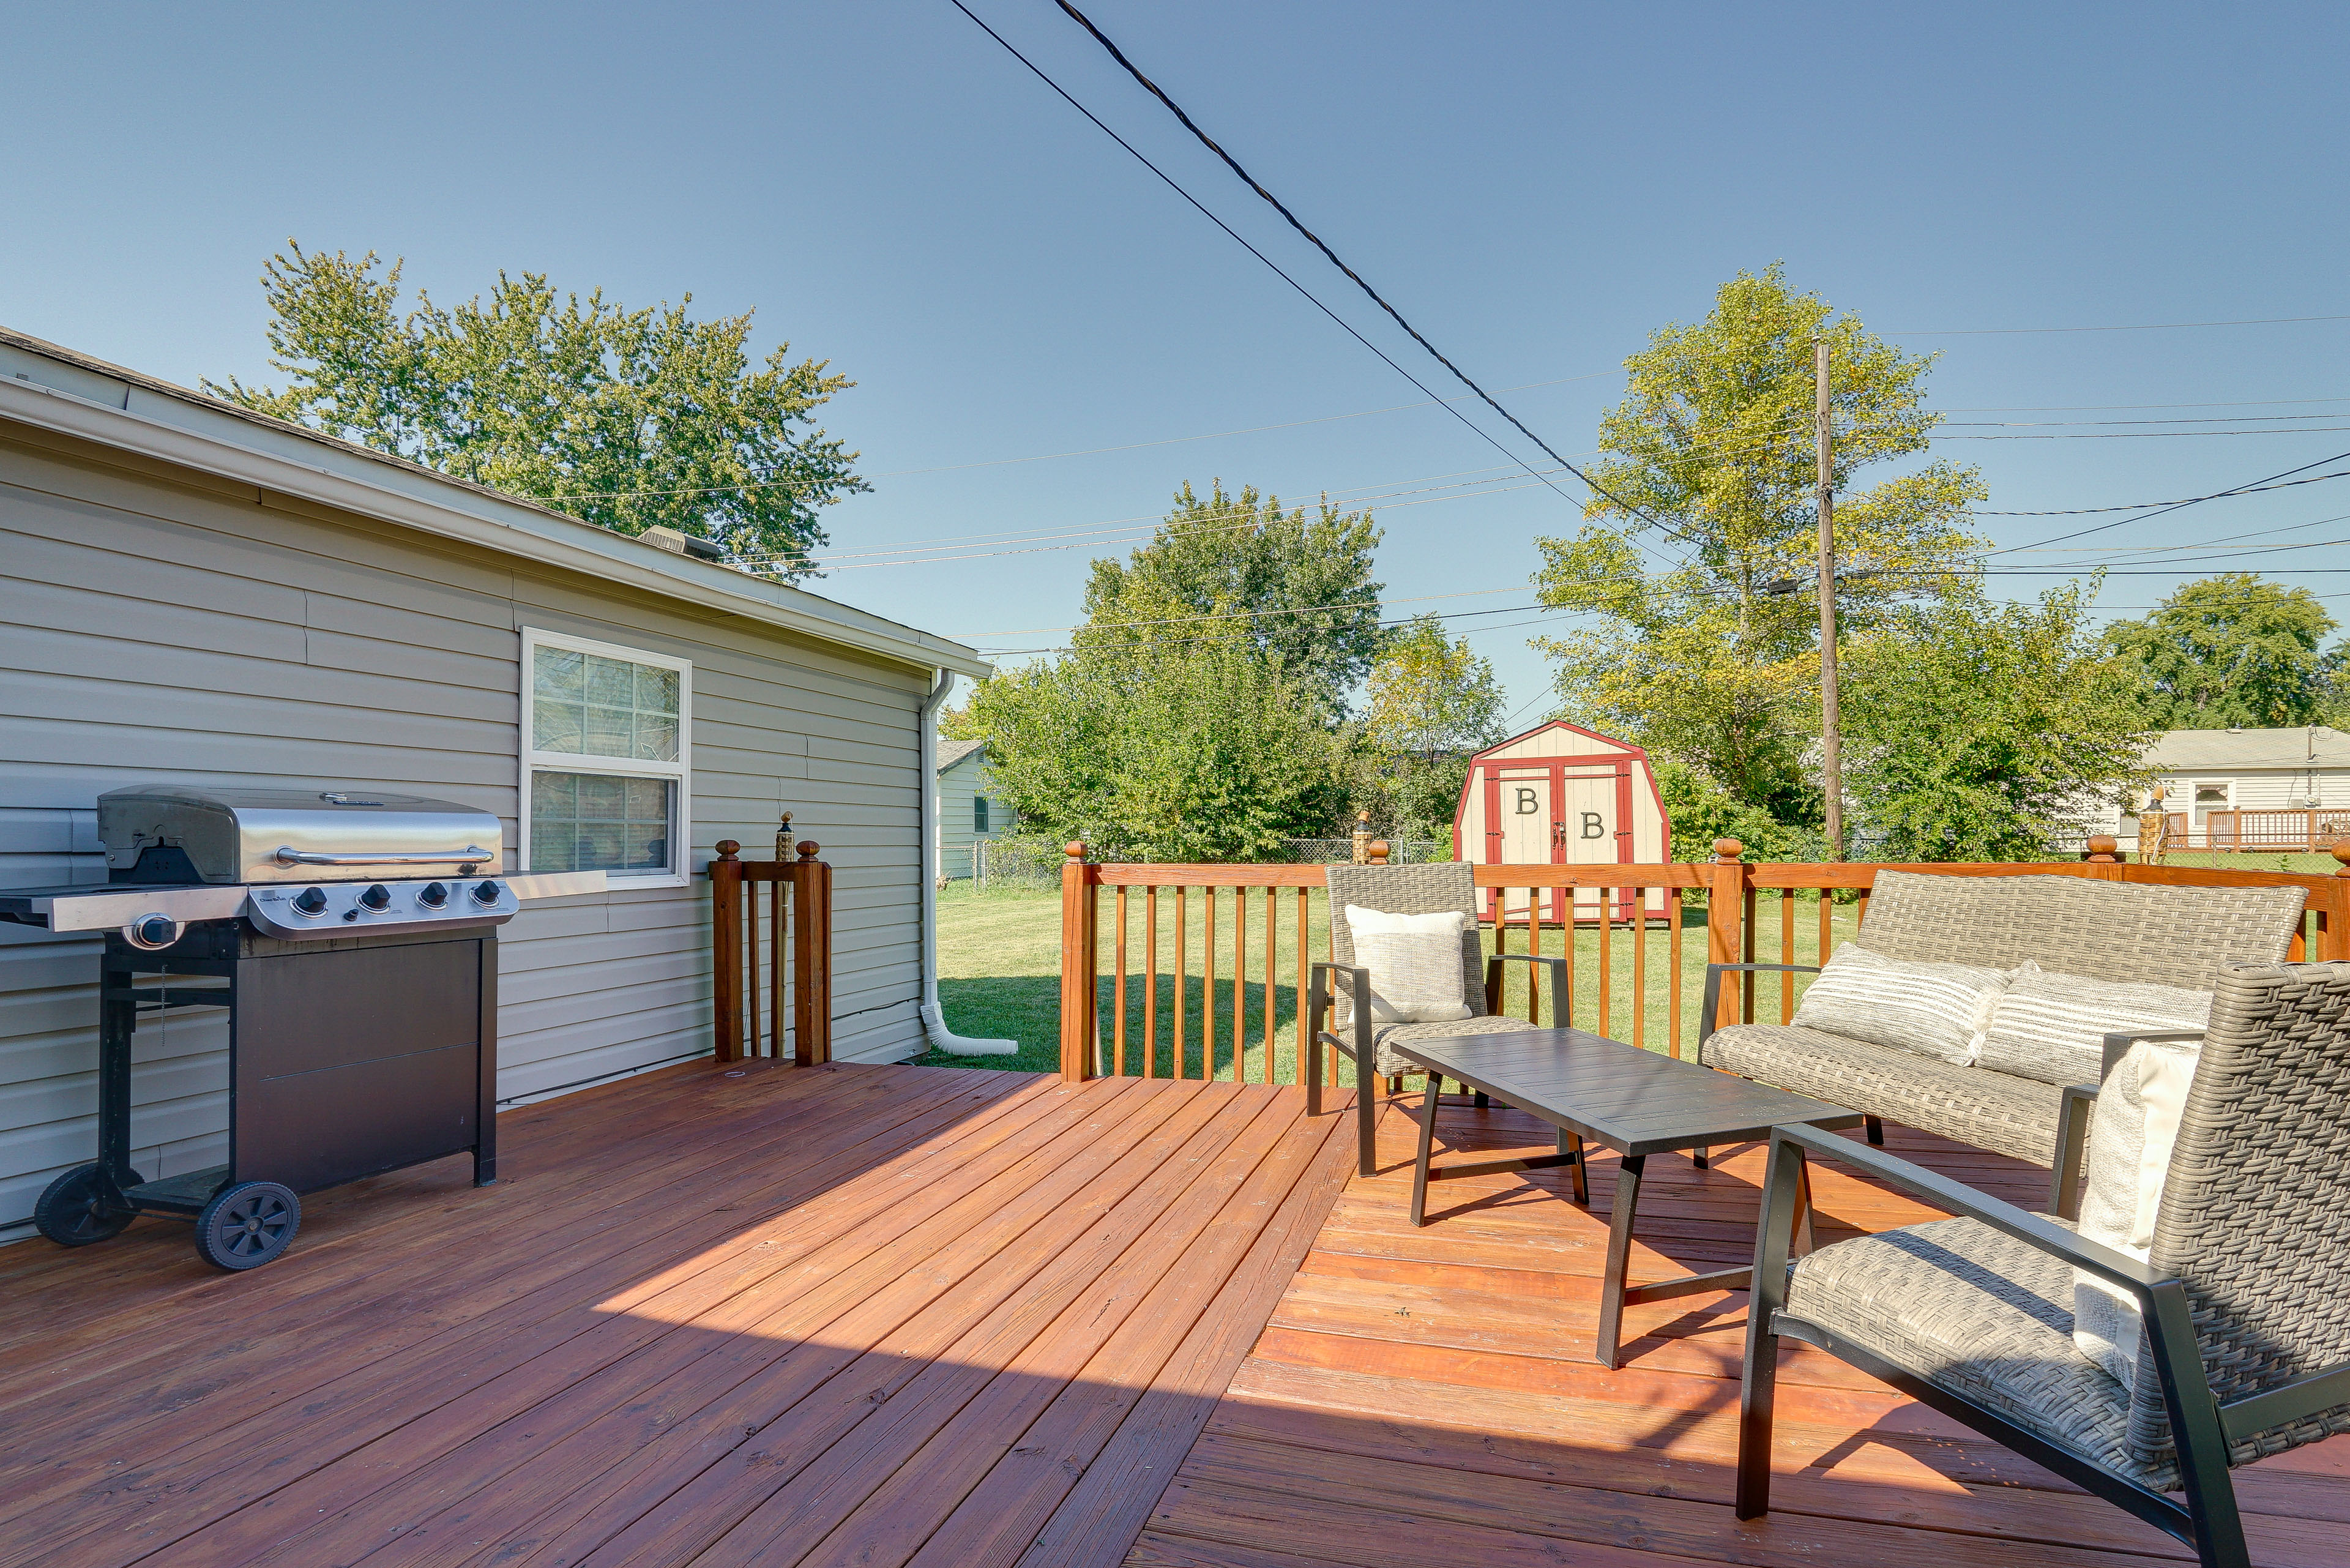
<point x="485" y="893"/>
<point x="433" y="895"/>
<point x="377" y="897"/>
<point x="311" y="900"/>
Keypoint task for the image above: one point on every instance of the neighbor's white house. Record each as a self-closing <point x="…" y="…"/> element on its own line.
<point x="2204" y="772"/>
<point x="969" y="815"/>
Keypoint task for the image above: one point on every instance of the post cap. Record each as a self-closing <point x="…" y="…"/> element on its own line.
<point x="1728" y="850"/>
<point x="1378" y="851"/>
<point x="1075" y="849"/>
<point x="807" y="849"/>
<point x="2103" y="844"/>
<point x="2341" y="853"/>
<point x="727" y="848"/>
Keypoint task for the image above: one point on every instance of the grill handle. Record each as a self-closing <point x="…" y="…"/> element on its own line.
<point x="289" y="855"/>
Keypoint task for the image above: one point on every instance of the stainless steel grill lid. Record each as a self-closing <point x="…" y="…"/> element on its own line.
<point x="231" y="836"/>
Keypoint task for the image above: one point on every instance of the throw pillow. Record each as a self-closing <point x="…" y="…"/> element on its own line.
<point x="1931" y="1009"/>
<point x="2053" y="1027"/>
<point x="1415" y="964"/>
<point x="2130" y="1138"/>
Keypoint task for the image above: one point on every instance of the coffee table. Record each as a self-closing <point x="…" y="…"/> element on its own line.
<point x="1635" y="1102"/>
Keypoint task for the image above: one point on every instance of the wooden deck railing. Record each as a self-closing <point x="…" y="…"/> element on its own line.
<point x="771" y="967"/>
<point x="1152" y="1007"/>
<point x="2307" y="831"/>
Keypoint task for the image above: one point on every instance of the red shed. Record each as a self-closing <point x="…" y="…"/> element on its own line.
<point x="1562" y="795"/>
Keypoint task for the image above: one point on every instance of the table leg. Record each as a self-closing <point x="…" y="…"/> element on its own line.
<point x="1428" y="1105"/>
<point x="1570" y="1146"/>
<point x="1619" y="1254"/>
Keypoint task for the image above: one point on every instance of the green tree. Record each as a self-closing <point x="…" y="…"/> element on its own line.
<point x="1430" y="694"/>
<point x="1299" y="588"/>
<point x="2231" y="650"/>
<point x="1978" y="731"/>
<point x="1157" y="742"/>
<point x="626" y="419"/>
<point x="1708" y="659"/>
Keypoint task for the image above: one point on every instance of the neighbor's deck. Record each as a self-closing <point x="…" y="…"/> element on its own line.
<point x="917" y="1315"/>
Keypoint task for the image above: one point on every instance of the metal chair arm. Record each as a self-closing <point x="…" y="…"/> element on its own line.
<point x="1560" y="979"/>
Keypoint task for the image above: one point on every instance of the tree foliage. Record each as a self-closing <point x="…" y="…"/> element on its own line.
<point x="1297" y="589"/>
<point x="2231" y="650"/>
<point x="1430" y="694"/>
<point x="1713" y="468"/>
<point x="1978" y="729"/>
<point x="626" y="419"/>
<point x="1161" y="743"/>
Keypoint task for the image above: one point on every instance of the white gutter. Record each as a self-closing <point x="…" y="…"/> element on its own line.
<point x="934" y="1023"/>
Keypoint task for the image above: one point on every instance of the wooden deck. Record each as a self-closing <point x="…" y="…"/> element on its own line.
<point x="899" y="1316"/>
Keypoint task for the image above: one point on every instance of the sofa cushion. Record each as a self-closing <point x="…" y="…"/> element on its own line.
<point x="1995" y="1111"/>
<point x="2134" y="933"/>
<point x="2053" y="1027"/>
<point x="1415" y="963"/>
<point x="1988" y="1317"/>
<point x="1938" y="1010"/>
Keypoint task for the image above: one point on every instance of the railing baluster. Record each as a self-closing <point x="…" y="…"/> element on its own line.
<point x="1208" y="997"/>
<point x="1746" y="1011"/>
<point x="1533" y="945"/>
<point x="1673" y="985"/>
<point x="1182" y="954"/>
<point x="1305" y="923"/>
<point x="1640" y="969"/>
<point x="1786" y="954"/>
<point x="1271" y="930"/>
<point x="1117" y="1030"/>
<point x="1607" y="933"/>
<point x="1827" y="910"/>
<point x="1151" y="983"/>
<point x="1240" y="985"/>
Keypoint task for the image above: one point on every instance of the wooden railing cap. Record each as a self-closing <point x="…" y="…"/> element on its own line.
<point x="727" y="848"/>
<point x="1728" y="850"/>
<point x="809" y="847"/>
<point x="2341" y="853"/>
<point x="1075" y="849"/>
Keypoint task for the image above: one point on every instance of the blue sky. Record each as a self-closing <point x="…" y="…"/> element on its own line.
<point x="1536" y="186"/>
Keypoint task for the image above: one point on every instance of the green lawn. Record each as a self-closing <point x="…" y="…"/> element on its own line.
<point x="999" y="975"/>
<point x="2254" y="860"/>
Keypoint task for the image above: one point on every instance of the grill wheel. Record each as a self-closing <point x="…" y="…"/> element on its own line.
<point x="246" y="1225"/>
<point x="72" y="1210"/>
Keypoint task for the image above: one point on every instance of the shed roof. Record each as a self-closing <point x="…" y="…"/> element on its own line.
<point x="952" y="752"/>
<point x="2306" y="746"/>
<point x="54" y="389"/>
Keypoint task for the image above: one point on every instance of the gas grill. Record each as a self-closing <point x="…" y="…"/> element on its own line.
<point x="352" y="937"/>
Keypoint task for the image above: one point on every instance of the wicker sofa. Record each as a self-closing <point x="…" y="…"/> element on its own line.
<point x="2120" y="932"/>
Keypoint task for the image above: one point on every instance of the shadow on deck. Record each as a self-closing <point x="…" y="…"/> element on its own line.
<point x="892" y="1315"/>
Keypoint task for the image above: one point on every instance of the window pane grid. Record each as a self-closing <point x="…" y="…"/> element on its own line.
<point x="590" y="704"/>
<point x="595" y="822"/>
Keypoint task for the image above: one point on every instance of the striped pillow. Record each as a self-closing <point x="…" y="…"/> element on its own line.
<point x="2053" y="1027"/>
<point x="1930" y="1009"/>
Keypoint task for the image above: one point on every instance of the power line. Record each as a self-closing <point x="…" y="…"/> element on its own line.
<point x="2141" y="506"/>
<point x="1170" y="183"/>
<point x="2176" y="505"/>
<point x="1250" y="182"/>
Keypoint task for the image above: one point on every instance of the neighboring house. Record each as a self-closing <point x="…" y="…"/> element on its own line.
<point x="189" y="591"/>
<point x="968" y="814"/>
<point x="2201" y="772"/>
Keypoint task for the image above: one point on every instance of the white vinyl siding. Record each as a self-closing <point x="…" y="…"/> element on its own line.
<point x="156" y="623"/>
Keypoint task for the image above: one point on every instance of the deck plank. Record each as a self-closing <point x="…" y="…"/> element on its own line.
<point x="895" y="1317"/>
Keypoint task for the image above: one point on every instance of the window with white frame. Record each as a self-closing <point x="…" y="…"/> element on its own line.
<point x="604" y="759"/>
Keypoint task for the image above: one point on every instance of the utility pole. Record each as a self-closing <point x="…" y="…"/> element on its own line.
<point x="1831" y="718"/>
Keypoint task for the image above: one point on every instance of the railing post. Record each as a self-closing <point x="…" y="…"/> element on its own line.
<point x="811" y="956"/>
<point x="1080" y="1027"/>
<point x="726" y="951"/>
<point x="1725" y="908"/>
<point x="2334" y="924"/>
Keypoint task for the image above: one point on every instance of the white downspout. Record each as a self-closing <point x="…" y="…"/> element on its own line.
<point x="934" y="1024"/>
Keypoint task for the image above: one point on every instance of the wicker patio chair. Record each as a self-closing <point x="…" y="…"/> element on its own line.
<point x="2246" y="1345"/>
<point x="1431" y="889"/>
